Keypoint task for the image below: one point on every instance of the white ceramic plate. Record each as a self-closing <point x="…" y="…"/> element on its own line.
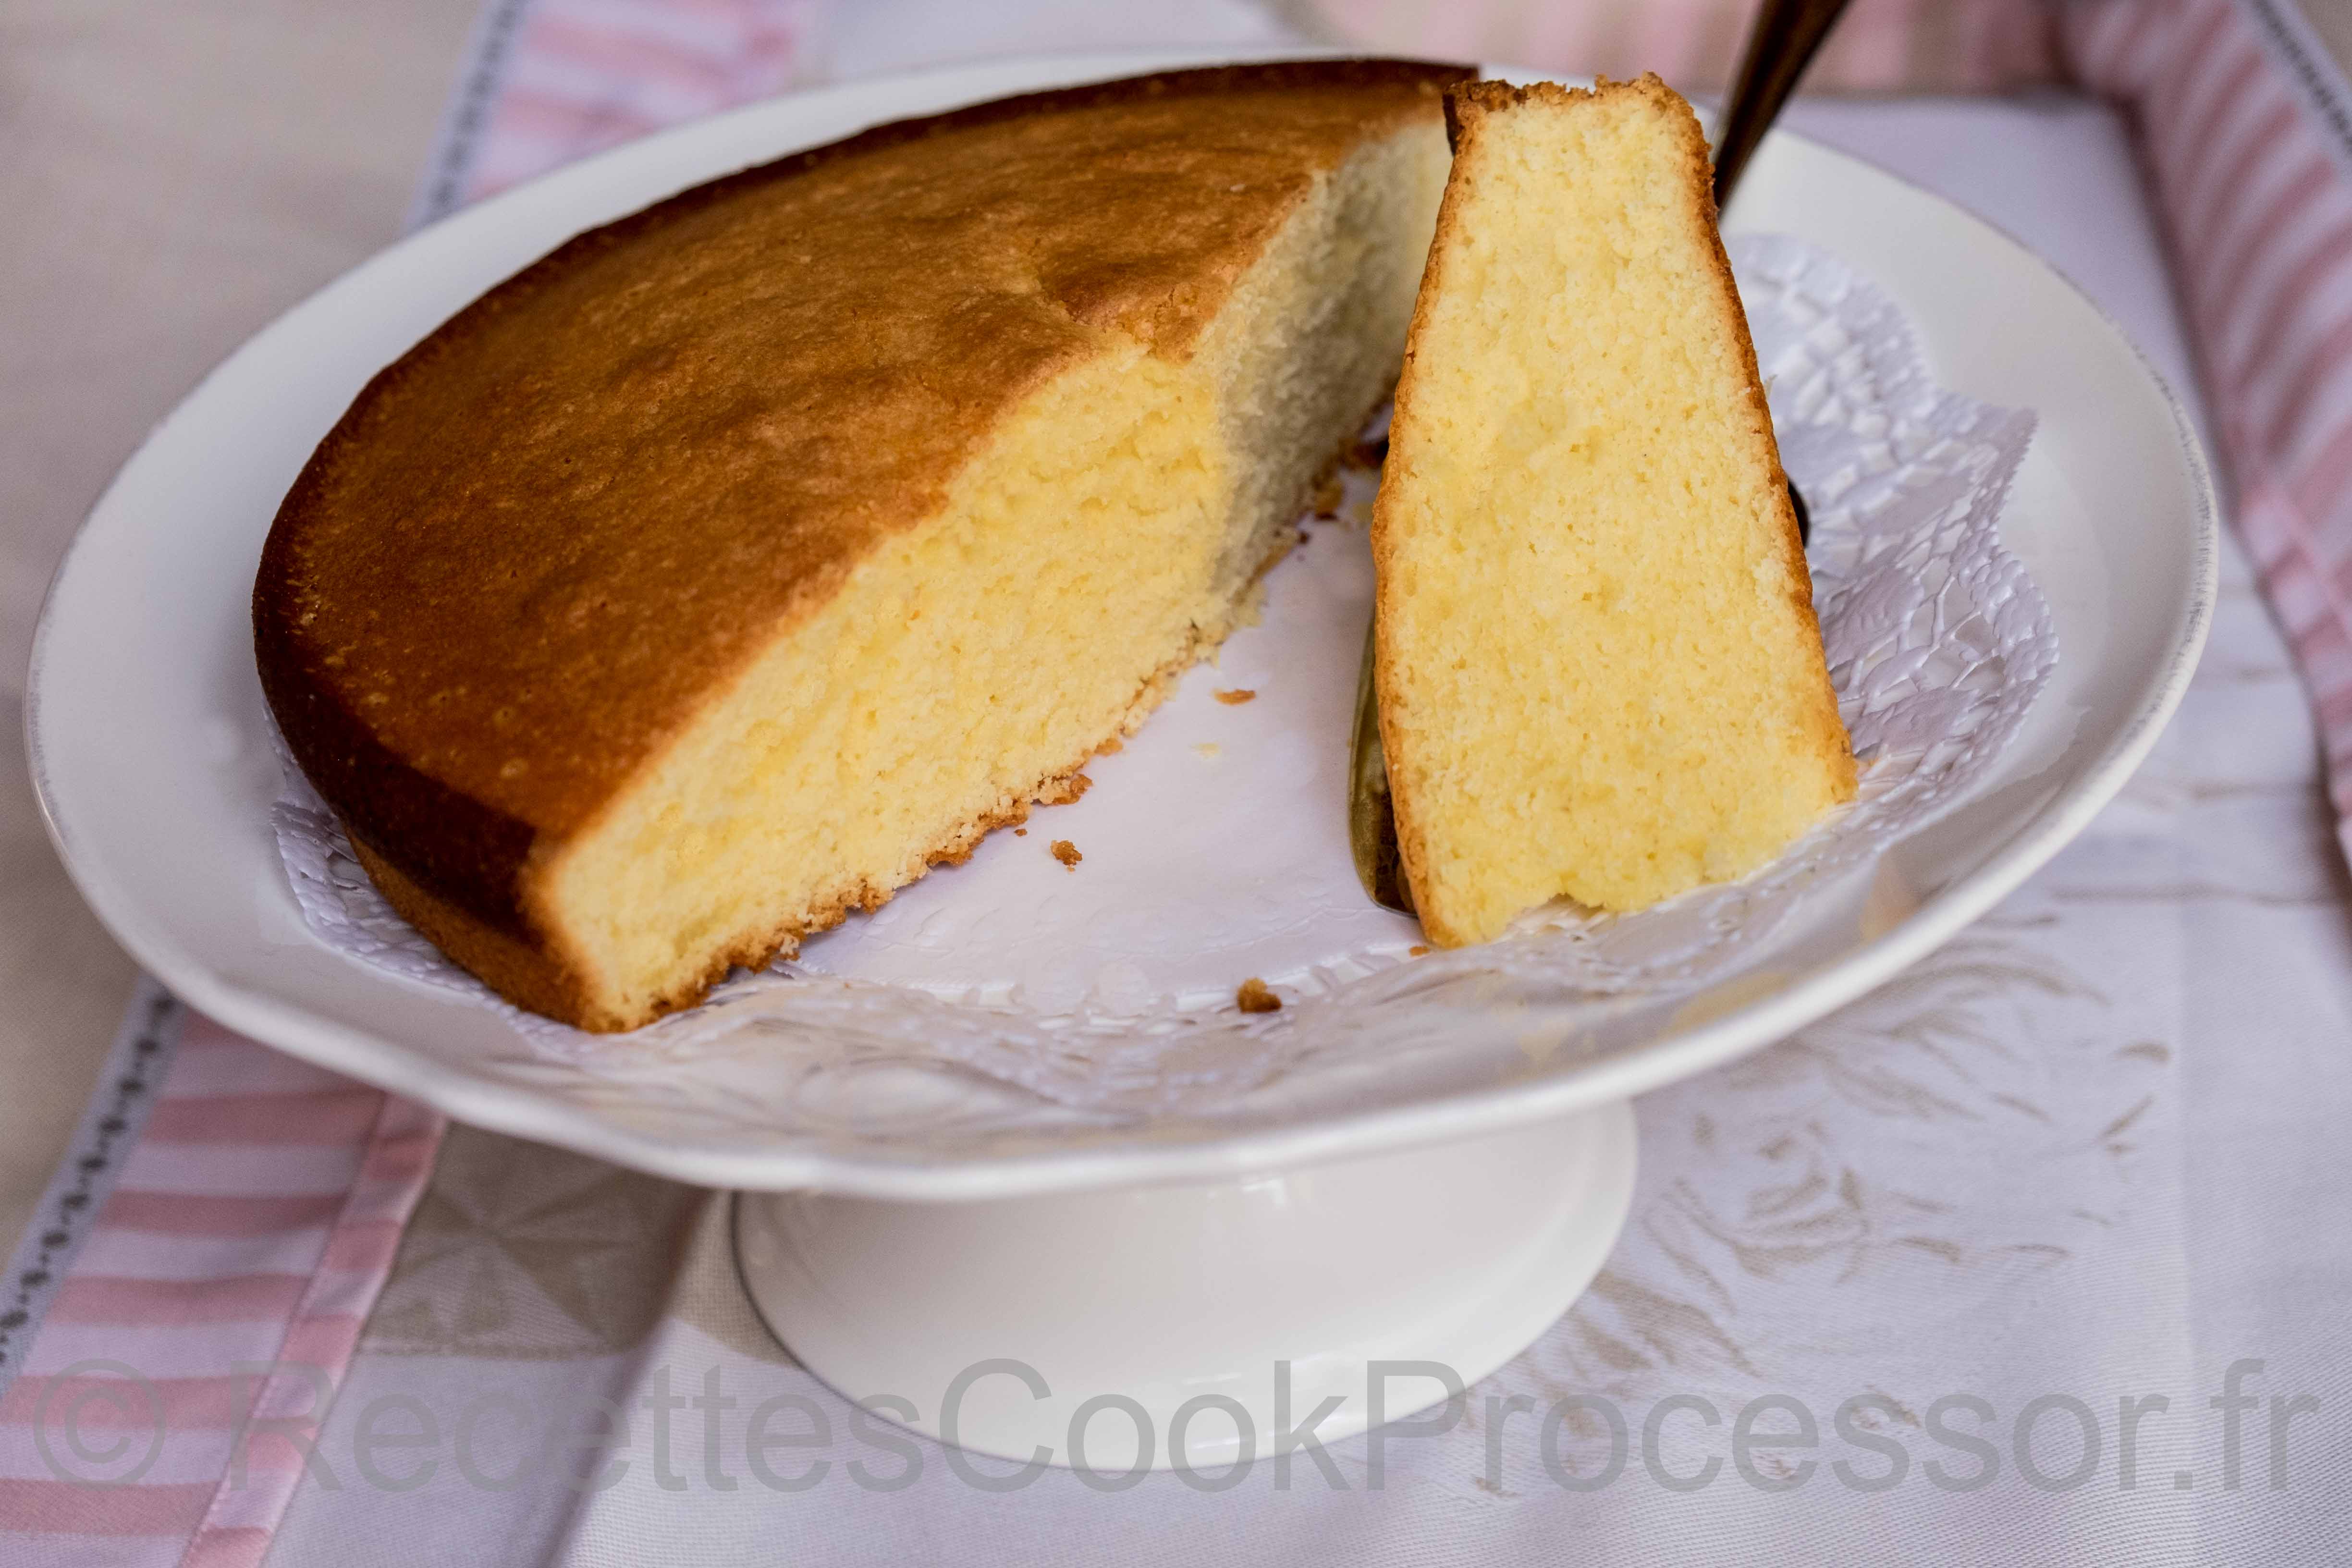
<point x="150" y="754"/>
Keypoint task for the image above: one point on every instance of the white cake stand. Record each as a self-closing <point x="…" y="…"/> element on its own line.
<point x="1188" y="1278"/>
<point x="1185" y="1325"/>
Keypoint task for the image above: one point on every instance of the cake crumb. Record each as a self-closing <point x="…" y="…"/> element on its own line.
<point x="1236" y="696"/>
<point x="1255" y="997"/>
<point x="1066" y="853"/>
<point x="1328" y="496"/>
<point x="1113" y="746"/>
<point x="1416" y="951"/>
<point x="1208" y="749"/>
<point x="1020" y="833"/>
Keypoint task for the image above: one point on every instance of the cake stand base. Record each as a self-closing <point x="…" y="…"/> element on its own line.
<point x="1194" y="1326"/>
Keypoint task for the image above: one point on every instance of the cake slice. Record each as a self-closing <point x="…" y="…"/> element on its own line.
<point x="722" y="571"/>
<point x="1598" y="670"/>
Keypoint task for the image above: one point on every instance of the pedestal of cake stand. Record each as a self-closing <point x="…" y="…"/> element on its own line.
<point x="1193" y="1322"/>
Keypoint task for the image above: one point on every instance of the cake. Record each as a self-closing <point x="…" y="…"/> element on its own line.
<point x="733" y="564"/>
<point x="1597" y="671"/>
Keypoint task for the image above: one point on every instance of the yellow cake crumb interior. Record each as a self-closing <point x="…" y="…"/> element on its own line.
<point x="1600" y="672"/>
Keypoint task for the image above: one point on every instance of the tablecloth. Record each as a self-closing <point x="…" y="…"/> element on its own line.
<point x="2038" y="1240"/>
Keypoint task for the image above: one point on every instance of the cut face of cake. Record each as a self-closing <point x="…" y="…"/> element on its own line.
<point x="724" y="570"/>
<point x="1598" y="670"/>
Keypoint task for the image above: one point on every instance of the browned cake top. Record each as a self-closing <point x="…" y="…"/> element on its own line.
<point x="537" y="540"/>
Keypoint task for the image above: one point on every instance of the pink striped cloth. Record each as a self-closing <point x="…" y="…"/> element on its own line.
<point x="556" y="80"/>
<point x="198" y="1274"/>
<point x="2246" y="126"/>
<point x="1880" y="45"/>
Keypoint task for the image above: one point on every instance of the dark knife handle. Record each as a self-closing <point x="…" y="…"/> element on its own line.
<point x="1781" y="43"/>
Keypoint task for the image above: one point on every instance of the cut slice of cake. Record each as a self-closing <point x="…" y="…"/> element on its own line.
<point x="722" y="571"/>
<point x="1598" y="670"/>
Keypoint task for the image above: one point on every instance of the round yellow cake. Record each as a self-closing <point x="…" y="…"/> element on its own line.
<point x="723" y="570"/>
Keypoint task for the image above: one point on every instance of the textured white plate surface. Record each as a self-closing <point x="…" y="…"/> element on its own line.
<point x="150" y="754"/>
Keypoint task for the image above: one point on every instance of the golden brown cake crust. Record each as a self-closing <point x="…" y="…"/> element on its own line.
<point x="541" y="539"/>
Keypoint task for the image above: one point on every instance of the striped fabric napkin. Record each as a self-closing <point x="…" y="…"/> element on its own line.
<point x="2245" y="122"/>
<point x="226" y="1208"/>
<point x="553" y="80"/>
<point x="1880" y="45"/>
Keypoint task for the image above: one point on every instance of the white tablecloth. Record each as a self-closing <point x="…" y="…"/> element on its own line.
<point x="2087" y="1155"/>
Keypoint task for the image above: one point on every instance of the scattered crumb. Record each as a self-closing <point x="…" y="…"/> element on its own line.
<point x="1020" y="833"/>
<point x="1113" y="746"/>
<point x="1369" y="454"/>
<point x="1416" y="951"/>
<point x="1236" y="696"/>
<point x="1328" y="496"/>
<point x="1254" y="997"/>
<point x="1066" y="853"/>
<point x="1208" y="749"/>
